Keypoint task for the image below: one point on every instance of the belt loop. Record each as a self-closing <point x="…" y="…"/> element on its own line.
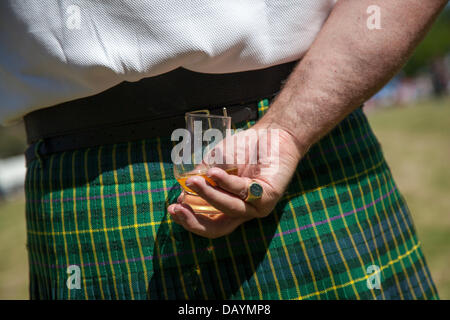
<point x="36" y="152"/>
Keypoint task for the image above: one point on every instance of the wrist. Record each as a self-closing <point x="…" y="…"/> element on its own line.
<point x="288" y="135"/>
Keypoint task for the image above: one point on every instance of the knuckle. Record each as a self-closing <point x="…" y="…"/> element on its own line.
<point x="275" y="194"/>
<point x="208" y="194"/>
<point x="262" y="213"/>
<point x="243" y="193"/>
<point x="234" y="209"/>
<point x="200" y="186"/>
<point x="219" y="178"/>
<point x="201" y="190"/>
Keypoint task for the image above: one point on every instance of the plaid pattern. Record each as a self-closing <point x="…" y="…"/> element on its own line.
<point x="104" y="209"/>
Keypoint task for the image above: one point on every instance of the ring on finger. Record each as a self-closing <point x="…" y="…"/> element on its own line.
<point x="254" y="191"/>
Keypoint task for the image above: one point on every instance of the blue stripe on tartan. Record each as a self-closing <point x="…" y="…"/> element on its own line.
<point x="411" y="270"/>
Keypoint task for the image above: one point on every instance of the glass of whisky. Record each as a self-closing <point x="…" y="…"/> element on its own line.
<point x="200" y="150"/>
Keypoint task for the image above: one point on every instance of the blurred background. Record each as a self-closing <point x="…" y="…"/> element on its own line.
<point x="410" y="116"/>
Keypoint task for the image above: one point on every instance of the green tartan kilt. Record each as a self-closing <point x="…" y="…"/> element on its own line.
<point x="98" y="228"/>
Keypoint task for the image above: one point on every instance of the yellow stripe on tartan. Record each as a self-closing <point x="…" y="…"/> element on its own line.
<point x="287" y="197"/>
<point x="403" y="215"/>
<point x="172" y="238"/>
<point x="52" y="157"/>
<point x="66" y="251"/>
<point x="119" y="219"/>
<point x="373" y="199"/>
<point x="394" y="239"/>
<point x="36" y="241"/>
<point x="311" y="270"/>
<point x="344" y="220"/>
<point x="102" y="186"/>
<point x="385" y="242"/>
<point x="359" y="174"/>
<point x="263" y="106"/>
<point x="316" y="233"/>
<point x="269" y="257"/>
<point x="74" y="190"/>
<point x="308" y="262"/>
<point x="152" y="219"/>
<point x="135" y="212"/>
<point x="330" y="224"/>
<point x="131" y="226"/>
<point x="216" y="266"/>
<point x="252" y="264"/>
<point x="198" y="270"/>
<point x="97" y="267"/>
<point x="236" y="273"/>
<point x="369" y="183"/>
<point x="404" y="241"/>
<point x="41" y="252"/>
<point x="42" y="271"/>
<point x="419" y="258"/>
<point x="286" y="253"/>
<point x="47" y="255"/>
<point x="389" y="264"/>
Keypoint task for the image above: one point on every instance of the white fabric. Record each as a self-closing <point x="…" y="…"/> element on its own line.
<point x="49" y="54"/>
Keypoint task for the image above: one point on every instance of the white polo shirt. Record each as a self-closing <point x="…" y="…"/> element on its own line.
<point x="55" y="51"/>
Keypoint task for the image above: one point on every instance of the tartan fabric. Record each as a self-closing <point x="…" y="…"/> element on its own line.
<point x="103" y="209"/>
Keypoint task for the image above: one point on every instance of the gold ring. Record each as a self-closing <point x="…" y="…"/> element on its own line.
<point x="254" y="191"/>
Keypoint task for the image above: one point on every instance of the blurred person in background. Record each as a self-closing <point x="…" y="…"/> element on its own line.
<point x="439" y="76"/>
<point x="101" y="85"/>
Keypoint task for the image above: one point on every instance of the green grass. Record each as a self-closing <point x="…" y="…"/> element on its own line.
<point x="13" y="261"/>
<point x="416" y="143"/>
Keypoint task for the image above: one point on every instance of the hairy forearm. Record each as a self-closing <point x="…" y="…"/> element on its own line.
<point x="347" y="64"/>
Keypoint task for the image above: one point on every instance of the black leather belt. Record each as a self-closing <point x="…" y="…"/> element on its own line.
<point x="148" y="108"/>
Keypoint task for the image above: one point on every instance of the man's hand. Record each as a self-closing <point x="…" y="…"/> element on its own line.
<point x="230" y="191"/>
<point x="346" y="65"/>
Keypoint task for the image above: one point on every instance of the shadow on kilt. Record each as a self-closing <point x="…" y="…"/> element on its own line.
<point x="341" y="231"/>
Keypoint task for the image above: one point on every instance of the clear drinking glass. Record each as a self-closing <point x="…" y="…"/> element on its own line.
<point x="205" y="133"/>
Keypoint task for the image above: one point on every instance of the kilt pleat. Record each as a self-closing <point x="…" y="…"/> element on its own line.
<point x="99" y="216"/>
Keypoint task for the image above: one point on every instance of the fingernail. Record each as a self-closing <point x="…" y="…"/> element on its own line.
<point x="190" y="183"/>
<point x="179" y="212"/>
<point x="211" y="172"/>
